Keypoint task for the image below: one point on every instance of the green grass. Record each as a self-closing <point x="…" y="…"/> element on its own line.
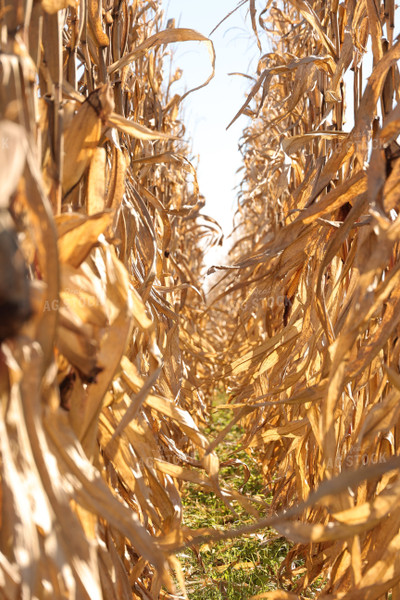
<point x="238" y="568"/>
<point x="235" y="569"/>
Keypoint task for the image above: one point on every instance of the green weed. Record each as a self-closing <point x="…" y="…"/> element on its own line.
<point x="238" y="568"/>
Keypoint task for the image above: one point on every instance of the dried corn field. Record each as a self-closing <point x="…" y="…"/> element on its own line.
<point x="110" y="351"/>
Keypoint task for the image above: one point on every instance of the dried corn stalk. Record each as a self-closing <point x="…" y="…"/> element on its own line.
<point x="101" y="318"/>
<point x="310" y="334"/>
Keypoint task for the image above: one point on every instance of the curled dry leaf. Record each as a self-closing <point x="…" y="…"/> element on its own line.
<point x="52" y="6"/>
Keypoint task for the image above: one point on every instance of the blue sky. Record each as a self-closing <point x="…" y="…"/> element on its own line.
<point x="208" y="111"/>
